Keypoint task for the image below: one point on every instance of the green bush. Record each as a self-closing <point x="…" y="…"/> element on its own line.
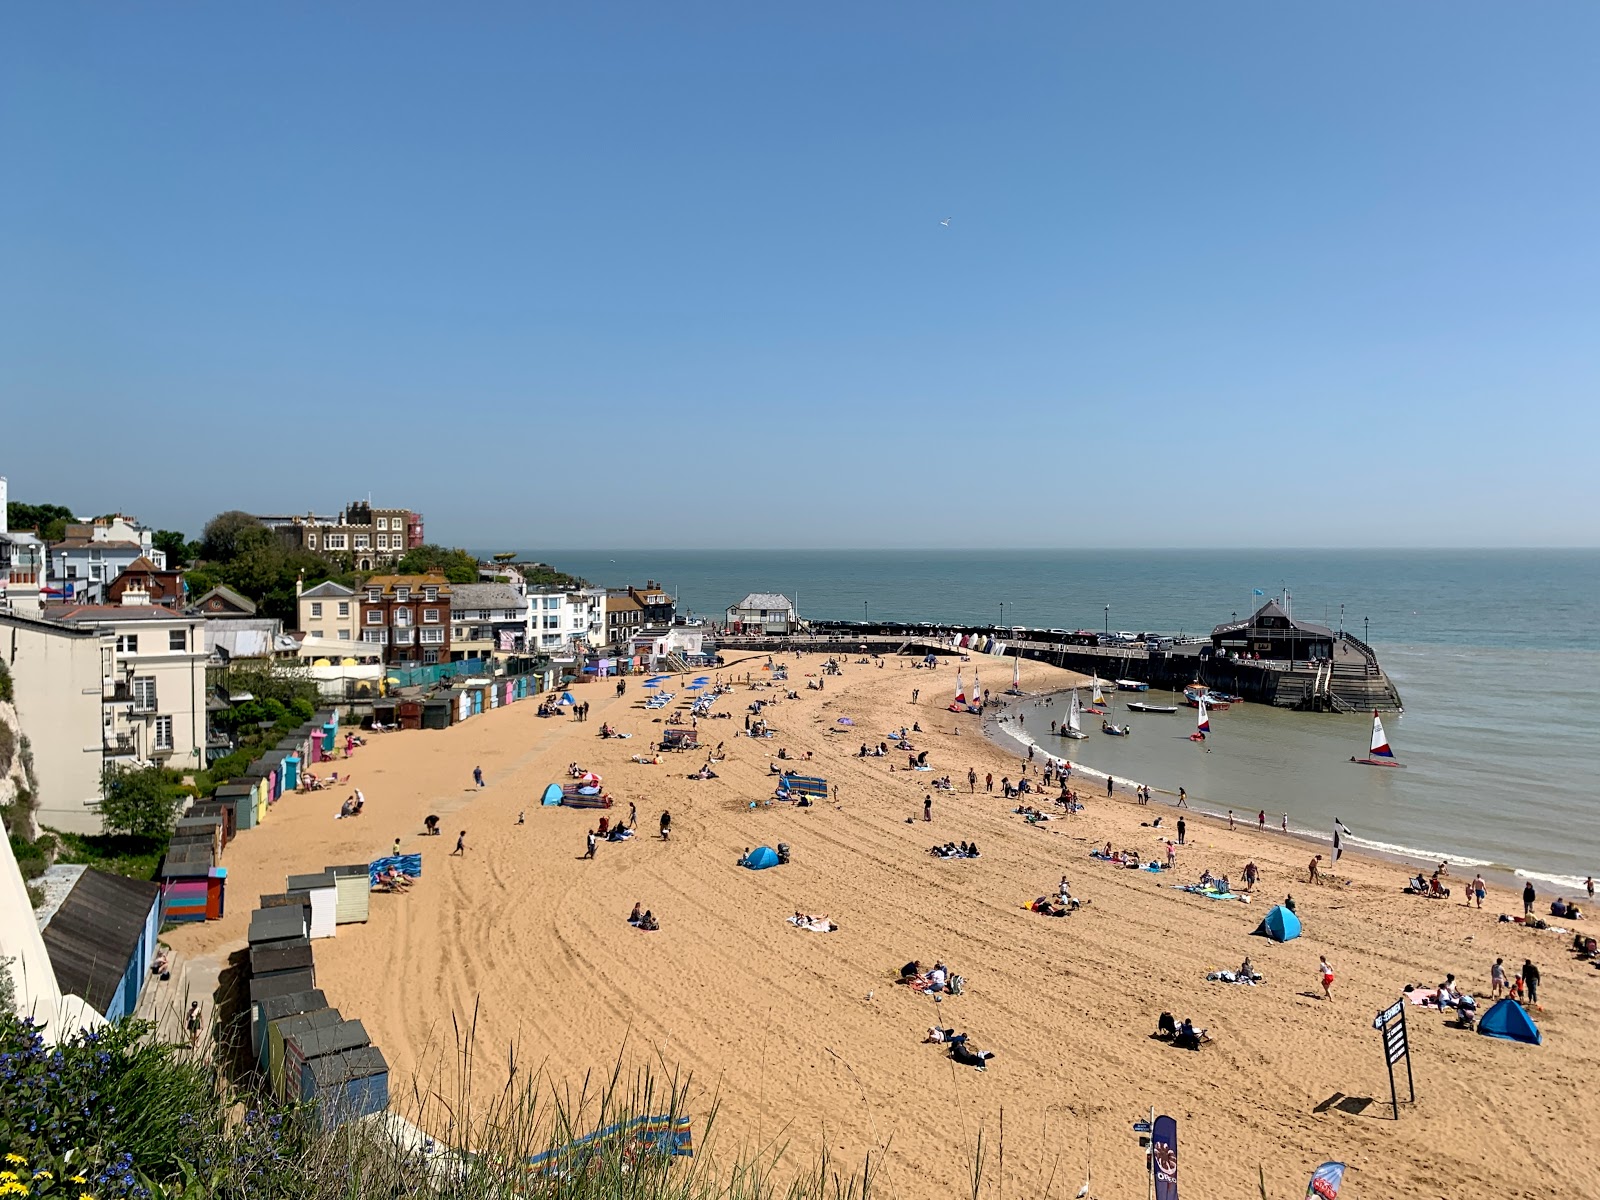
<point x="140" y="801"/>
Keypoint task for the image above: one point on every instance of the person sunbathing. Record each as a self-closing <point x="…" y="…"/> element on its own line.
<point x="1247" y="969"/>
<point x="648" y="922"/>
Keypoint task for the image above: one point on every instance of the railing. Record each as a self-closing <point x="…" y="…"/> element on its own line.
<point x="121" y="743"/>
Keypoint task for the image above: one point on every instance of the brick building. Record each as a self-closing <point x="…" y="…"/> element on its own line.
<point x="408" y="616"/>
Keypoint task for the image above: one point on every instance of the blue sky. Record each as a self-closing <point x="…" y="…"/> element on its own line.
<point x="642" y="275"/>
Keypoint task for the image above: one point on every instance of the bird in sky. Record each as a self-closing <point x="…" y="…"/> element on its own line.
<point x="945" y="222"/>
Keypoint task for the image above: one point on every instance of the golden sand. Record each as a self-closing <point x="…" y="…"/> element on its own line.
<point x="805" y="1038"/>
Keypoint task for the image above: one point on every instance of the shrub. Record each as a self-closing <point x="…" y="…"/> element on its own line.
<point x="141" y="802"/>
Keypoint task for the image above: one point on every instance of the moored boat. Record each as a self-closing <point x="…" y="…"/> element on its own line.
<point x="1140" y="706"/>
<point x="1132" y="685"/>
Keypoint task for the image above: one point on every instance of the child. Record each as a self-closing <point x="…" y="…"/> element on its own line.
<point x="461" y="845"/>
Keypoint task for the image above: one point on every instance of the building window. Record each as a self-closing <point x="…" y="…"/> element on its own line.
<point x="311" y="541"/>
<point x="96" y="572"/>
<point x="127" y="643"/>
<point x="432" y="637"/>
<point x="144" y="694"/>
<point x="461" y="633"/>
<point x="177" y="639"/>
<point x="316" y="610"/>
<point x="430" y="616"/>
<point x="383" y="541"/>
<point x="344" y="608"/>
<point x="402" y="594"/>
<point x="552" y="622"/>
<point x="402" y="616"/>
<point x="374" y="595"/>
<point x="374" y="616"/>
<point x="72" y="570"/>
<point x="402" y="637"/>
<point x="316" y="633"/>
<point x="375" y="637"/>
<point x="430" y="594"/>
<point x="344" y="635"/>
<point x="552" y="602"/>
<point x="363" y="541"/>
<point x="430" y="656"/>
<point x="552" y="639"/>
<point x="335" y="541"/>
<point x="163" y="733"/>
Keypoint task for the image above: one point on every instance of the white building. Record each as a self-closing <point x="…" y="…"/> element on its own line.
<point x="156" y="695"/>
<point x="328" y="611"/>
<point x="564" y="618"/>
<point x="485" y="619"/>
<point x="93" y="554"/>
<point x="60" y="677"/>
<point x="764" y="612"/>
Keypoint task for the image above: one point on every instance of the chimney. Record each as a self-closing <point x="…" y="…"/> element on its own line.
<point x="135" y="596"/>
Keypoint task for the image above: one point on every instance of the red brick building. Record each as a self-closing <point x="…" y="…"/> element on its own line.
<point x="407" y="615"/>
<point x="164" y="587"/>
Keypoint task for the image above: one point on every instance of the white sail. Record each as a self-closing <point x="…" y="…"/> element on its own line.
<point x="1074" y="713"/>
<point x="1202" y="722"/>
<point x="1380" y="742"/>
<point x="961" y="692"/>
<point x="977" y="692"/>
<point x="1016" y="671"/>
<point x="1099" y="696"/>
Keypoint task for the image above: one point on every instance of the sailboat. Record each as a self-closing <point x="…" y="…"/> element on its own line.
<point x="976" y="703"/>
<point x="1112" y="728"/>
<point x="1097" y="702"/>
<point x="1379" y="755"/>
<point x="1016" y="675"/>
<point x="960" y="702"/>
<point x="1074" y="723"/>
<point x="1202" y="721"/>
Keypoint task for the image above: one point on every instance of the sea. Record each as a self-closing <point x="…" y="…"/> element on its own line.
<point x="1496" y="654"/>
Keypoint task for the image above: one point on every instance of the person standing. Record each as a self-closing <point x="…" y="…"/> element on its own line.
<point x="1286" y="822"/>
<point x="1182" y="832"/>
<point x="1497" y="979"/>
<point x="972" y="780"/>
<point x="1479" y="888"/>
<point x="1530" y="980"/>
<point x="633" y="816"/>
<point x="589" y="844"/>
<point x="1314" y="869"/>
<point x="477" y="776"/>
<point x="666" y="825"/>
<point x="1172" y="855"/>
<point x="461" y="845"/>
<point x="1110" y="783"/>
<point x="1528" y="897"/>
<point x="988" y="782"/>
<point x="1261" y="820"/>
<point x="927" y="807"/>
<point x="1325" y="972"/>
<point x="395" y="853"/>
<point x="192" y="1022"/>
<point x="1230" y="820"/>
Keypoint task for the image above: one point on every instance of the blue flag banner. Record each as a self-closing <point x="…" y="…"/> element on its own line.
<point x="1164" y="1157"/>
<point x="1325" y="1182"/>
<point x="1257" y="592"/>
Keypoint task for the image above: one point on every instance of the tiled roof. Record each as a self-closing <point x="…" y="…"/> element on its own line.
<point x="485" y="595"/>
<point x="97" y="613"/>
<point x="389" y="582"/>
<point x="79" y="543"/>
<point x="766" y="600"/>
<point x="328" y="588"/>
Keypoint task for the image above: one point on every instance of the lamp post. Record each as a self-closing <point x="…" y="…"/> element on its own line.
<point x="1108" y="620"/>
<point x="1002" y="613"/>
<point x="863" y="612"/>
<point x="1366" y="634"/>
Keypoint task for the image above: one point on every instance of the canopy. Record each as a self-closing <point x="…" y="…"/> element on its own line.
<point x="552" y="794"/>
<point x="589" y="777"/>
<point x="761" y="858"/>
<point x="566" y="698"/>
<point x="1510" y="1021"/>
<point x="1280" y="924"/>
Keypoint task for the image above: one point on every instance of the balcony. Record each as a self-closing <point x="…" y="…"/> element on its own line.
<point x="117" y="693"/>
<point x="119" y="745"/>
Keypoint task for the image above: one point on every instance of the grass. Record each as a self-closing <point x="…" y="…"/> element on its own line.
<point x="114" y="853"/>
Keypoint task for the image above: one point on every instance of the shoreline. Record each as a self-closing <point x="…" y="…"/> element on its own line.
<point x="1502" y="875"/>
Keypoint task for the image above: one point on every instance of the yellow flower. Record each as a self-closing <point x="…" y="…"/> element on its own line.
<point x="7" y="1175"/>
<point x="76" y="1179"/>
<point x="12" y="1188"/>
<point x="16" y="1158"/>
<point x="43" y="1175"/>
<point x="85" y="1196"/>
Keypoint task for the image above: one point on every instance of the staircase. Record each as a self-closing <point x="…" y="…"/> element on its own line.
<point x="674" y="664"/>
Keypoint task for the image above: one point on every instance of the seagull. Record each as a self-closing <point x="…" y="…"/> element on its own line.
<point x="946" y="222"/>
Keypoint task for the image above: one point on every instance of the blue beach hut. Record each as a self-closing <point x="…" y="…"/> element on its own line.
<point x="1280" y="924"/>
<point x="1509" y="1021"/>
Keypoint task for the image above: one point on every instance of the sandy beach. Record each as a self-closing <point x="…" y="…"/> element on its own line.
<point x="807" y="1039"/>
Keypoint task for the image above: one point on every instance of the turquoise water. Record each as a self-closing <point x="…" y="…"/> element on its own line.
<point x="1496" y="654"/>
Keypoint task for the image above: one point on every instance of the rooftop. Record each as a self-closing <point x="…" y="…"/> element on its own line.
<point x="485" y="595"/>
<point x="98" y="614"/>
<point x="1274" y="611"/>
<point x="389" y="582"/>
<point x="328" y="589"/>
<point x="766" y="600"/>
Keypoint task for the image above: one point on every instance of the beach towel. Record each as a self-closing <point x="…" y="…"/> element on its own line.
<point x="409" y="865"/>
<point x="1196" y="889"/>
<point x="665" y="1136"/>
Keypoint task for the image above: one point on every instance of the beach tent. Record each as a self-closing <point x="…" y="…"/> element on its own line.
<point x="1280" y="924"/>
<point x="1510" y="1021"/>
<point x="552" y="794"/>
<point x="566" y="699"/>
<point x="761" y="858"/>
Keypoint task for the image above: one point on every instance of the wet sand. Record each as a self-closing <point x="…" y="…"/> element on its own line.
<point x="805" y="1038"/>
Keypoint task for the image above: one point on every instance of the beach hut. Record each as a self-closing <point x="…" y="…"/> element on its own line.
<point x="189" y="889"/>
<point x="761" y="858"/>
<point x="323" y="892"/>
<point x="281" y="985"/>
<point x="1279" y="924"/>
<point x="193" y="828"/>
<point x="277" y="1035"/>
<point x="276" y="1008"/>
<point x="239" y="795"/>
<point x="101" y="937"/>
<point x="279" y="958"/>
<point x="436" y="714"/>
<point x="210" y="808"/>
<point x="463" y="705"/>
<point x="353" y="895"/>
<point x="308" y="1045"/>
<point x="278" y="924"/>
<point x="346" y="1086"/>
<point x="1509" y="1021"/>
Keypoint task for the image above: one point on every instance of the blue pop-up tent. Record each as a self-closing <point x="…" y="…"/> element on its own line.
<point x="761" y="858"/>
<point x="566" y="699"/>
<point x="552" y="794"/>
<point x="1279" y="924"/>
<point x="1510" y="1021"/>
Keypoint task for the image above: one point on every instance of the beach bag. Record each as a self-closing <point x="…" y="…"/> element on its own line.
<point x="958" y="985"/>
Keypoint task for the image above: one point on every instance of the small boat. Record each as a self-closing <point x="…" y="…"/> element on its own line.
<point x="1194" y="693"/>
<point x="1132" y="685"/>
<point x="1202" y="723"/>
<point x="1073" y="728"/>
<point x="1114" y="730"/>
<point x="1379" y="755"/>
<point x="1140" y="706"/>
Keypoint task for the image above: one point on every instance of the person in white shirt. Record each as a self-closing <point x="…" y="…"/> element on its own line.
<point x="937" y="977"/>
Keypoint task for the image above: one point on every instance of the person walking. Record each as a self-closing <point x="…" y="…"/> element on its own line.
<point x="666" y="825"/>
<point x="1530" y="980"/>
<point x="633" y="816"/>
<point x="1497" y="979"/>
<point x="1182" y="829"/>
<point x="1183" y="798"/>
<point x="589" y="844"/>
<point x="1479" y="889"/>
<point x="461" y="845"/>
<point x="972" y="780"/>
<point x="192" y="1021"/>
<point x="1286" y="822"/>
<point x="1588" y="884"/>
<point x="1325" y="972"/>
<point x="1528" y="897"/>
<point x="988" y="782"/>
<point x="1251" y="874"/>
<point x="477" y="776"/>
<point x="1261" y="820"/>
<point x="927" y="807"/>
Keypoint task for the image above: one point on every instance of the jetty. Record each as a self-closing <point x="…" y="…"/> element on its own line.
<point x="1269" y="657"/>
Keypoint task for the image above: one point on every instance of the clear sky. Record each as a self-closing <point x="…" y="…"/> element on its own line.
<point x="565" y="275"/>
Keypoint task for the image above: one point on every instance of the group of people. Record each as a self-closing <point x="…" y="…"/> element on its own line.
<point x="645" y="920"/>
<point x="955" y="850"/>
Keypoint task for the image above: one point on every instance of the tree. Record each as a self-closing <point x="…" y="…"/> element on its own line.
<point x="140" y="801"/>
<point x="256" y="563"/>
<point x="221" y="540"/>
<point x="456" y="565"/>
<point x="49" y="519"/>
<point x="173" y="544"/>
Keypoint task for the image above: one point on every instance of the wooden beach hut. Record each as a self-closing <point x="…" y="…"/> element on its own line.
<point x="211" y="808"/>
<point x="353" y="892"/>
<point x="275" y="1008"/>
<point x="323" y="892"/>
<point x="192" y="887"/>
<point x="269" y="959"/>
<point x="239" y="795"/>
<point x="345" y="1086"/>
<point x="281" y="985"/>
<point x="193" y="828"/>
<point x="409" y="714"/>
<point x="308" y="1045"/>
<point x="436" y="713"/>
<point x="101" y="939"/>
<point x="280" y="1031"/>
<point x="278" y="924"/>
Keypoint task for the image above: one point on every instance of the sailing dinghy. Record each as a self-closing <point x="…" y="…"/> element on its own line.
<point x="1380" y="755"/>
<point x="1074" y="723"/>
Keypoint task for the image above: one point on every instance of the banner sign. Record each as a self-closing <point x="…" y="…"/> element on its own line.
<point x="1325" y="1182"/>
<point x="1164" y="1157"/>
